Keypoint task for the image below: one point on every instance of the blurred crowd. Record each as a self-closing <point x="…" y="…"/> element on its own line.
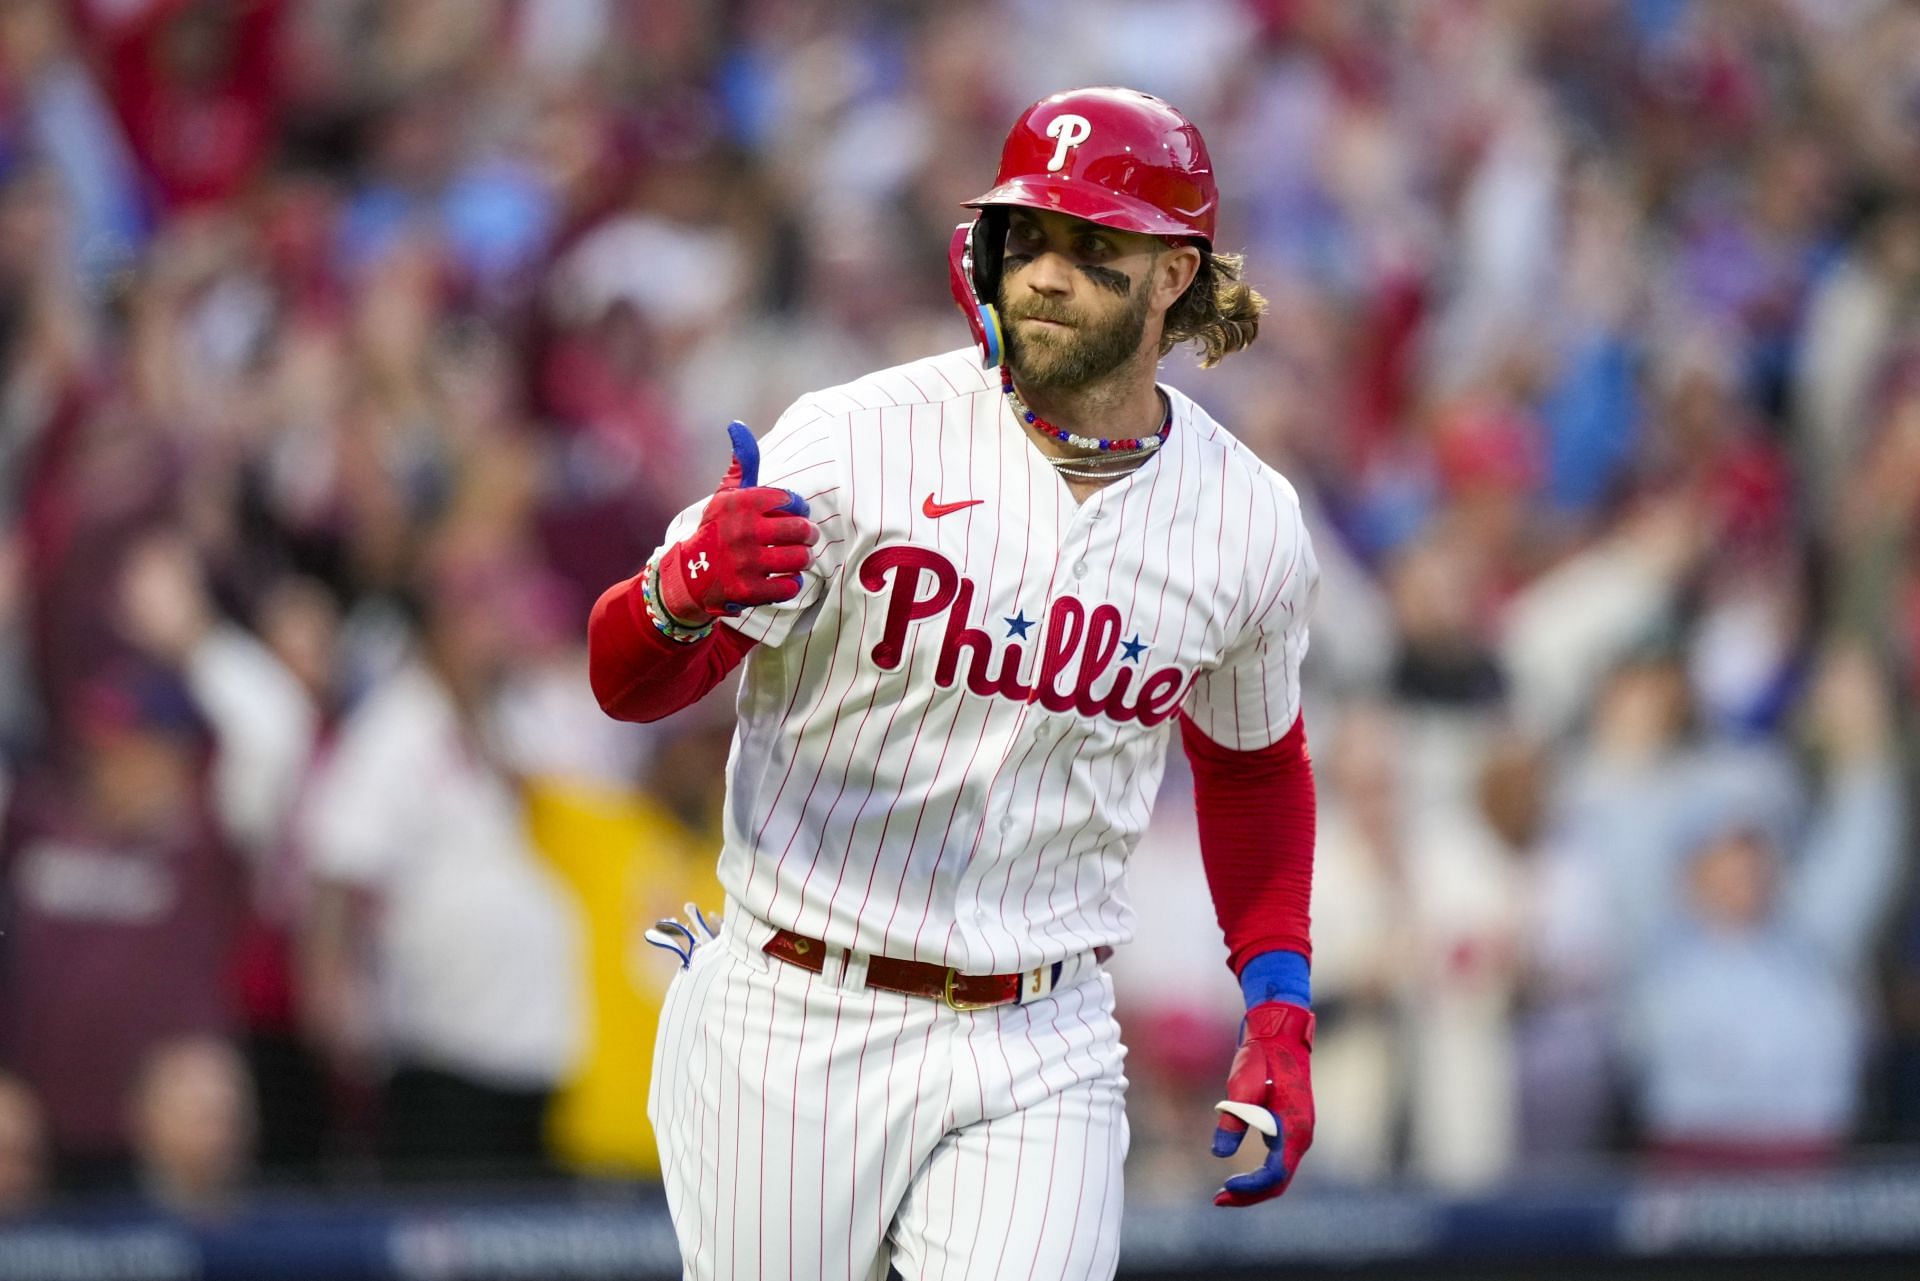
<point x="348" y="348"/>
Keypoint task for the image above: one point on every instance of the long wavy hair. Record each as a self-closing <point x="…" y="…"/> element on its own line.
<point x="1220" y="311"/>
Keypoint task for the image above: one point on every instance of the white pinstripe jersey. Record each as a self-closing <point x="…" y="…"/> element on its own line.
<point x="949" y="743"/>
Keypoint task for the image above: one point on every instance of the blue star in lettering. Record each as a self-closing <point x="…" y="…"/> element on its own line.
<point x="1018" y="624"/>
<point x="1134" y="648"/>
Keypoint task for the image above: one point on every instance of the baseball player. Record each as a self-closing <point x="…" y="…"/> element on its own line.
<point x="974" y="599"/>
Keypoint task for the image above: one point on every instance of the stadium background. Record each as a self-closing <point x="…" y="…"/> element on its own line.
<point x="346" y="344"/>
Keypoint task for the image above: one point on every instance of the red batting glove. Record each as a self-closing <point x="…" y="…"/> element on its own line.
<point x="749" y="549"/>
<point x="1270" y="1085"/>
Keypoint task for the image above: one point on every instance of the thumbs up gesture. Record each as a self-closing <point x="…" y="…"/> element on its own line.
<point x="749" y="549"/>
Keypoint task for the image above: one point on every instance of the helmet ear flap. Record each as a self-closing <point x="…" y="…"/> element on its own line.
<point x="973" y="270"/>
<point x="986" y="248"/>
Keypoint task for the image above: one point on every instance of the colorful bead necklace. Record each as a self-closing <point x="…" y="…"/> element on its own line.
<point x="1101" y="444"/>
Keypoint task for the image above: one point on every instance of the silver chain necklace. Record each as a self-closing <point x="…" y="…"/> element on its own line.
<point x="1109" y="467"/>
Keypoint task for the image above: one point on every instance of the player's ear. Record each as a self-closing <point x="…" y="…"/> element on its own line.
<point x="1173" y="270"/>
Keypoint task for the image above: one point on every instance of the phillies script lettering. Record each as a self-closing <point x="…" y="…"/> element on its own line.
<point x="922" y="584"/>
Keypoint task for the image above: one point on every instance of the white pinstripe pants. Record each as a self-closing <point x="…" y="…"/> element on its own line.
<point x="812" y="1128"/>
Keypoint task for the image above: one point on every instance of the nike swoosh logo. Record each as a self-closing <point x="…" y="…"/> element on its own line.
<point x="934" y="511"/>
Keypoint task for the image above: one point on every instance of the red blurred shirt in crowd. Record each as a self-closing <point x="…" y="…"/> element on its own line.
<point x="115" y="941"/>
<point x="194" y="85"/>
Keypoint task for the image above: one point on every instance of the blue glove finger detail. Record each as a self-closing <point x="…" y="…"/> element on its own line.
<point x="746" y="452"/>
<point x="746" y="455"/>
<point x="1271" y="1174"/>
<point x="1226" y="1142"/>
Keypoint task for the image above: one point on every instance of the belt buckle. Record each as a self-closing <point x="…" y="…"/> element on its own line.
<point x="955" y="1003"/>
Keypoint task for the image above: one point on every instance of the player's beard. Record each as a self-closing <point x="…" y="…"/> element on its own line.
<point x="1069" y="359"/>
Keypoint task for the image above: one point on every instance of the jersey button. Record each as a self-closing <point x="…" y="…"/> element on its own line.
<point x="1006" y="824"/>
<point x="1080" y="569"/>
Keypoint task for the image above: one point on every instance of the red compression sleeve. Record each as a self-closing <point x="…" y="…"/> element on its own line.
<point x="1256" y="814"/>
<point x="640" y="675"/>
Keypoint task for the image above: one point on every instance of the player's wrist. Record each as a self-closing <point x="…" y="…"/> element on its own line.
<point x="1279" y="975"/>
<point x="669" y="606"/>
<point x="1281" y="1021"/>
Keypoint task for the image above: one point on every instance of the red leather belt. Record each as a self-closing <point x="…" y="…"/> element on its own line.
<point x="919" y="978"/>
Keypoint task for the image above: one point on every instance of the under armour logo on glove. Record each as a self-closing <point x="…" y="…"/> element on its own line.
<point x="1270" y="1088"/>
<point x="696" y="565"/>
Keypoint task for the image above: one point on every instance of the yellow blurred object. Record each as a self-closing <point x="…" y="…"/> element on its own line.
<point x="629" y="862"/>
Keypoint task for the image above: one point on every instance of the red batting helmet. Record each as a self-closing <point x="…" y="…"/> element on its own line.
<point x="1117" y="157"/>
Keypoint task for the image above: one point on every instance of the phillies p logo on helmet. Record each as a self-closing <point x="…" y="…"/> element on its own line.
<point x="1071" y="130"/>
<point x="1138" y="164"/>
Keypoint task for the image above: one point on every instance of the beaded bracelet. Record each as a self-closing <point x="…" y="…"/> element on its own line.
<point x="657" y="614"/>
